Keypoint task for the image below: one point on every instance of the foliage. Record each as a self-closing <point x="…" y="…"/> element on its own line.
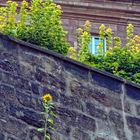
<point x="38" y="23"/>
<point x="123" y="61"/>
<point x="83" y="40"/>
<point x="48" y="116"/>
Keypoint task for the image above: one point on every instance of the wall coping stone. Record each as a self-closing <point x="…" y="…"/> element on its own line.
<point x="67" y="59"/>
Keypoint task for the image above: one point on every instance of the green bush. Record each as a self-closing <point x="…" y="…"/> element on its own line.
<point x="38" y="23"/>
<point x="123" y="61"/>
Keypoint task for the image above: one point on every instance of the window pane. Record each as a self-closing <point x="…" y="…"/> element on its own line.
<point x="96" y="45"/>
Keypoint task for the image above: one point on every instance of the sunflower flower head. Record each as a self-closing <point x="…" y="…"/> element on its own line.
<point x="46" y="98"/>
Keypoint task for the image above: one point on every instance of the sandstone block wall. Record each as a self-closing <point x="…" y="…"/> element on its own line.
<point x="91" y="104"/>
<point x="115" y="14"/>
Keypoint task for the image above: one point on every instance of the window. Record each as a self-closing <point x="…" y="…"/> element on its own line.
<point x="94" y="45"/>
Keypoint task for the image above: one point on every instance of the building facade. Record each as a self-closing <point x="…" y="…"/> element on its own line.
<point x="113" y="13"/>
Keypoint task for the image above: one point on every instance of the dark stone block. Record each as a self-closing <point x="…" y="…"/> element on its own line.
<point x="35" y="88"/>
<point x="80" y="135"/>
<point x="117" y="124"/>
<point x="28" y="100"/>
<point x="26" y="115"/>
<point x="132" y="91"/>
<point x="71" y="102"/>
<point x="2" y="136"/>
<point x="77" y="71"/>
<point x="30" y="56"/>
<point x="67" y="116"/>
<point x="63" y="128"/>
<point x="85" y="122"/>
<point x="3" y="107"/>
<point x="9" y="65"/>
<point x="73" y="118"/>
<point x="13" y="126"/>
<point x="133" y="123"/>
<point x="107" y="82"/>
<point x="138" y="109"/>
<point x="7" y="93"/>
<point x="88" y="93"/>
<point x="16" y="81"/>
<point x="35" y="135"/>
<point x="27" y="71"/>
<point x="50" y="80"/>
<point x="0" y="75"/>
<point x="116" y="119"/>
<point x="96" y="112"/>
<point x="100" y="138"/>
<point x="11" y="138"/>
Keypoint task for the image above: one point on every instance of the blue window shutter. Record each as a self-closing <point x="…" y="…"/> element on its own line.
<point x="94" y="45"/>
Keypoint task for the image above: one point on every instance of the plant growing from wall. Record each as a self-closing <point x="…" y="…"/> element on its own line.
<point x="48" y="115"/>
<point x="38" y="23"/>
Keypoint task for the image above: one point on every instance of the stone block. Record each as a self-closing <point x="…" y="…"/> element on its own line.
<point x="95" y="111"/>
<point x="9" y="65"/>
<point x="77" y="72"/>
<point x="117" y="125"/>
<point x="78" y="134"/>
<point x="88" y="93"/>
<point x="63" y="128"/>
<point x="13" y="127"/>
<point x="132" y="91"/>
<point x="134" y="125"/>
<point x="107" y="81"/>
<point x="16" y="81"/>
<point x="29" y="101"/>
<point x="7" y="93"/>
<point x="2" y="136"/>
<point x="138" y="109"/>
<point x="73" y="118"/>
<point x="85" y="122"/>
<point x="49" y="80"/>
<point x="35" y="135"/>
<point x="116" y="119"/>
<point x="35" y="87"/>
<point x="26" y="115"/>
<point x="71" y="102"/>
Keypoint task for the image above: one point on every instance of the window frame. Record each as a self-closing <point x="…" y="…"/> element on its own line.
<point x="92" y="45"/>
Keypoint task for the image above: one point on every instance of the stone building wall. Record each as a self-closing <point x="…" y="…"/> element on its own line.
<point x="91" y="104"/>
<point x="115" y="14"/>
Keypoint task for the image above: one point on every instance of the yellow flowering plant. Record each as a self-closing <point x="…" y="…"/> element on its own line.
<point x="83" y="40"/>
<point x="37" y="22"/>
<point x="48" y="115"/>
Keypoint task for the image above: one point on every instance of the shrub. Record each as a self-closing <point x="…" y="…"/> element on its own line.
<point x="83" y="39"/>
<point x="123" y="61"/>
<point x="38" y="23"/>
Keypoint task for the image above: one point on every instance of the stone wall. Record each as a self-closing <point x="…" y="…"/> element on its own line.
<point x="91" y="104"/>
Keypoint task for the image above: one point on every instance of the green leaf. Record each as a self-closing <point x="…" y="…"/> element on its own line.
<point x="51" y="121"/>
<point x="54" y="115"/>
<point x="40" y="129"/>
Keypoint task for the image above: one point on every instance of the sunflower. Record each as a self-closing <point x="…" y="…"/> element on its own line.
<point x="47" y="97"/>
